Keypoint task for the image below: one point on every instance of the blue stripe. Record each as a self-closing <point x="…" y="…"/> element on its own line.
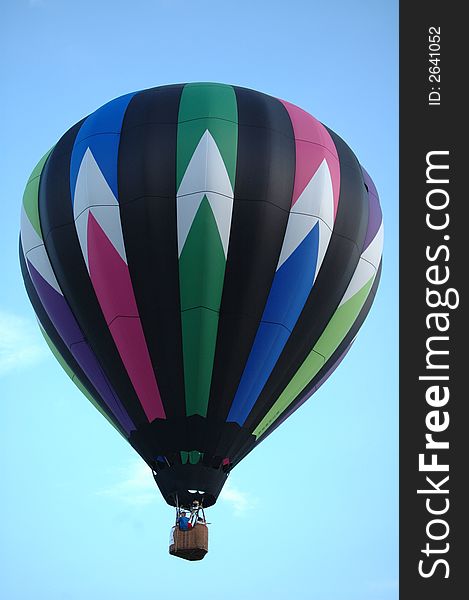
<point x="100" y="133"/>
<point x="290" y="289"/>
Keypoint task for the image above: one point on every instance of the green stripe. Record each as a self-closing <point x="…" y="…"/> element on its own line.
<point x="60" y="359"/>
<point x="201" y="273"/>
<point x="31" y="193"/>
<point x="211" y="107"/>
<point x="199" y="329"/>
<point x="331" y="337"/>
<point x="202" y="261"/>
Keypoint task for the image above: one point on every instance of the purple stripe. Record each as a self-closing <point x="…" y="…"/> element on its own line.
<point x="375" y="216"/>
<point x="67" y="327"/>
<point x="57" y="308"/>
<point x="86" y="359"/>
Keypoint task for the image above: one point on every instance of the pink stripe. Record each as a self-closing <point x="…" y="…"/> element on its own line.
<point x="111" y="281"/>
<point x="128" y="336"/>
<point x="313" y="144"/>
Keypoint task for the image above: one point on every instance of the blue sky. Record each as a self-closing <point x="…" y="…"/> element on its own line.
<point x="79" y="514"/>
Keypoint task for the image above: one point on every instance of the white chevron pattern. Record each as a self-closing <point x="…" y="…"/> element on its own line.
<point x="316" y="203"/>
<point x="206" y="175"/>
<point x="93" y="195"/>
<point x="367" y="266"/>
<point x="35" y="251"/>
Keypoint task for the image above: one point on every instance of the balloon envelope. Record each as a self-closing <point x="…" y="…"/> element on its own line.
<point x="200" y="258"/>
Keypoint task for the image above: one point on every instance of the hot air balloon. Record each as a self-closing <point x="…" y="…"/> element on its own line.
<point x="200" y="258"/>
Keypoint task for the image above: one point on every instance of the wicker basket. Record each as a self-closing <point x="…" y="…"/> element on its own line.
<point x="191" y="544"/>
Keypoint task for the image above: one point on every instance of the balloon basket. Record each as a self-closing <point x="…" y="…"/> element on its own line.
<point x="191" y="544"/>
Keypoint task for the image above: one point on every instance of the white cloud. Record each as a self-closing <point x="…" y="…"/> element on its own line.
<point x="136" y="485"/>
<point x="21" y="344"/>
<point x="240" y="501"/>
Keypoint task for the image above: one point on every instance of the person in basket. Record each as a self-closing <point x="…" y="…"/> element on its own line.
<point x="183" y="522"/>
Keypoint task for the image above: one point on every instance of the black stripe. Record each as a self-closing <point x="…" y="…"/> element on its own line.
<point x="340" y="262"/>
<point x="147" y="199"/>
<point x="263" y="191"/>
<point x="63" y="248"/>
<point x="58" y="342"/>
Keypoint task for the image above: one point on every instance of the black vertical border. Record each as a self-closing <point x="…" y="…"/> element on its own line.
<point x="425" y="128"/>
